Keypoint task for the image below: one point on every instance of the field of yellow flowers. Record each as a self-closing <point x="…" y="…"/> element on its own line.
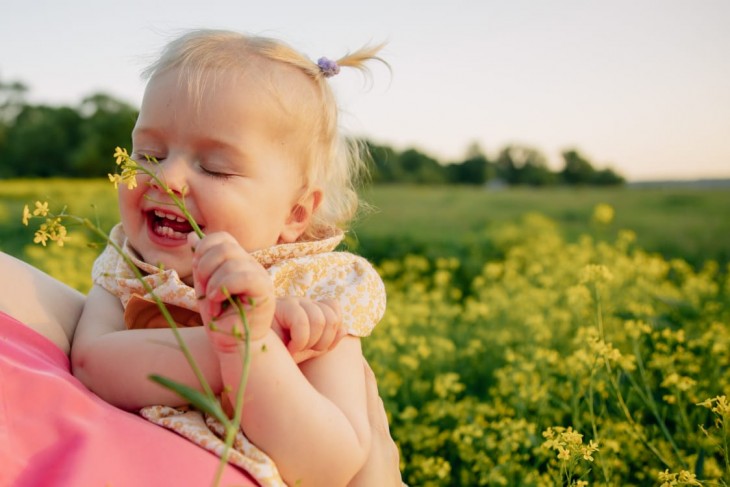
<point x="581" y="362"/>
<point x="586" y="363"/>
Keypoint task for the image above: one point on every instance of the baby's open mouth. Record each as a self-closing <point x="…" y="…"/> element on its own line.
<point x="169" y="225"/>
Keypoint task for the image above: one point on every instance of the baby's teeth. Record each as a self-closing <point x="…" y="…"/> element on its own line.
<point x="169" y="232"/>
<point x="169" y="216"/>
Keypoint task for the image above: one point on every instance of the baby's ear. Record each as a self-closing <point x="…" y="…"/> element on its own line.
<point x="300" y="217"/>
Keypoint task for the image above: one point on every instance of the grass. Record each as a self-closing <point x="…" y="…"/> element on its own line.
<point x="687" y="223"/>
<point x="441" y="220"/>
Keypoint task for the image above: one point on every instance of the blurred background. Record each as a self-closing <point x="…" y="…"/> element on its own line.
<point x="486" y="103"/>
<point x="638" y="87"/>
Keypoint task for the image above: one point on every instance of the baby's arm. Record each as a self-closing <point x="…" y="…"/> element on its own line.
<point x="312" y="421"/>
<point x="115" y="362"/>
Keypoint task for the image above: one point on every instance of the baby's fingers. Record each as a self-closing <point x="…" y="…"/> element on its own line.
<point x="242" y="280"/>
<point x="332" y="329"/>
<point x="305" y="322"/>
<point x="212" y="252"/>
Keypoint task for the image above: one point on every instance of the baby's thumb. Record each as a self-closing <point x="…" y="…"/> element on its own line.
<point x="193" y="240"/>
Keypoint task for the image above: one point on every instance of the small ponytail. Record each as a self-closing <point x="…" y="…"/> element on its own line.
<point x="357" y="60"/>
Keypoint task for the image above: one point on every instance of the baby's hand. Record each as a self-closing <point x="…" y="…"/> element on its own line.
<point x="222" y="268"/>
<point x="308" y="328"/>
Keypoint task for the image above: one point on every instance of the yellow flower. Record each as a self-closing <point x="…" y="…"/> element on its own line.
<point x="667" y="478"/>
<point x="563" y="453"/>
<point x="688" y="478"/>
<point x="587" y="450"/>
<point x="26" y="215"/>
<point x="58" y="232"/>
<point x="572" y="437"/>
<point x="718" y="405"/>
<point x="129" y="169"/>
<point x="41" y="235"/>
<point x="41" y="209"/>
<point x="116" y="179"/>
<point x="595" y="273"/>
<point x="128" y="177"/>
<point x="603" y="213"/>
<point x="684" y="477"/>
<point x="120" y="155"/>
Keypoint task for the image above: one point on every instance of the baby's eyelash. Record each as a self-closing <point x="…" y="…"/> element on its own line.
<point x="217" y="175"/>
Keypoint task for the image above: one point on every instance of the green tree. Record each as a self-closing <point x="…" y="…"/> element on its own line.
<point x="409" y="166"/>
<point x="607" y="177"/>
<point x="107" y="123"/>
<point x="40" y="140"/>
<point x="476" y="169"/>
<point x="523" y="165"/>
<point x="43" y="141"/>
<point x="12" y="97"/>
<point x="577" y="169"/>
<point x="417" y="167"/>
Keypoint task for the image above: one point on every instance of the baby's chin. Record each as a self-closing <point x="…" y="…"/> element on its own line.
<point x="185" y="274"/>
<point x="184" y="271"/>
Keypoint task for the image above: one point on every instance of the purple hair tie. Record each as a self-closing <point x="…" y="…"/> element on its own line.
<point x="328" y="67"/>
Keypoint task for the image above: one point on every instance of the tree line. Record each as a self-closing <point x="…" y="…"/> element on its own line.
<point x="38" y="140"/>
<point x="515" y="165"/>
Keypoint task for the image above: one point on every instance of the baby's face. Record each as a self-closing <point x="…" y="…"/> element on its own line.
<point x="227" y="153"/>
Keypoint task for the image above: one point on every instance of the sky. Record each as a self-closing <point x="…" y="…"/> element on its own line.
<point x="640" y="86"/>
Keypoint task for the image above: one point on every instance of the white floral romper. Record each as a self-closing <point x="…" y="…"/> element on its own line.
<point x="302" y="269"/>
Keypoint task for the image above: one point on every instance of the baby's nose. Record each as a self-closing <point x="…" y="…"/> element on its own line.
<point x="171" y="175"/>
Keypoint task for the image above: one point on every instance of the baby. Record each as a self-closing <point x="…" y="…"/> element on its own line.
<point x="244" y="130"/>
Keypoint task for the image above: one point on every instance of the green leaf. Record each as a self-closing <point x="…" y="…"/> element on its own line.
<point x="194" y="397"/>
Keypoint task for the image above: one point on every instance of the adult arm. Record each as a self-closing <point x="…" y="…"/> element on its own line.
<point x="73" y="437"/>
<point x="382" y="467"/>
<point x="39" y="301"/>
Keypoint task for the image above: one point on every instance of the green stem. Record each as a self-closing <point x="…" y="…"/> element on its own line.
<point x="648" y="399"/>
<point x="232" y="427"/>
<point x="616" y="388"/>
<point x="594" y="426"/>
<point x="725" y="434"/>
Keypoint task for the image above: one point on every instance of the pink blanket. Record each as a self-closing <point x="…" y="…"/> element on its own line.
<point x="55" y="432"/>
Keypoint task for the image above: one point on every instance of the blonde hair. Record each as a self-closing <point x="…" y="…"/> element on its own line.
<point x="332" y="162"/>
